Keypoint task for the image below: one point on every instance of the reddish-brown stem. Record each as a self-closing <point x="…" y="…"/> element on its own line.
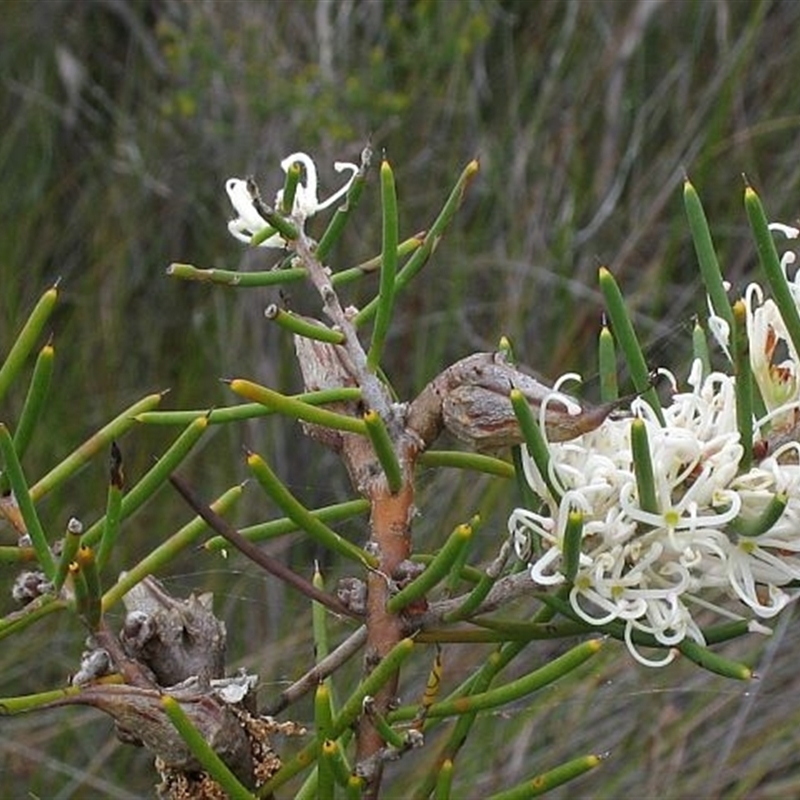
<point x="391" y="534"/>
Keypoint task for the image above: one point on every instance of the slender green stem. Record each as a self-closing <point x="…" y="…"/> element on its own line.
<point x="69" y="549"/>
<point x="236" y="279"/>
<point x="459" y="562"/>
<point x="337" y="224"/>
<point x="80" y="592"/>
<point x="285" y="227"/>
<point x="444" y="781"/>
<point x="323" y="712"/>
<point x="326" y="780"/>
<point x="88" y="567"/>
<point x="31" y="702"/>
<point x="405" y="248"/>
<point x="11" y="554"/>
<point x="389" y="735"/>
<point x="290" y="188"/>
<point x="700" y="347"/>
<point x="514" y="690"/>
<point x="116" y="484"/>
<point x="261" y="236"/>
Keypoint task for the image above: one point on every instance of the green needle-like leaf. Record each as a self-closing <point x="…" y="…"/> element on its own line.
<point x="16" y="479"/>
<point x="764" y="522"/>
<point x="571" y="550"/>
<point x="434" y="572"/>
<point x="116" y="484"/>
<point x="160" y="556"/>
<point x="514" y="690"/>
<point x="607" y="363"/>
<point x="421" y="256"/>
<point x="700" y="347"/>
<point x="349" y="713"/>
<point x="95" y="444"/>
<point x="223" y="416"/>
<point x="278" y="527"/>
<point x="706" y="254"/>
<point x="444" y="780"/>
<point x="69" y="549"/>
<point x="743" y="385"/>
<point x="383" y="313"/>
<point x="643" y="467"/>
<point x="461" y="460"/>
<point x="35" y="400"/>
<point x="714" y="662"/>
<point x="203" y="751"/>
<point x="534" y="440"/>
<point x="155" y="478"/>
<point x="546" y="781"/>
<point x="626" y="338"/>
<point x="296" y="408"/>
<point x="304" y="519"/>
<point x="26" y="340"/>
<point x="384" y="449"/>
<point x="290" y="188"/>
<point x="300" y="326"/>
<point x="771" y="264"/>
<point x="339" y="220"/>
<point x="236" y="279"/>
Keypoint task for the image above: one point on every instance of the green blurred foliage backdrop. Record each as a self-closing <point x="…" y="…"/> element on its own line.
<point x="123" y="118"/>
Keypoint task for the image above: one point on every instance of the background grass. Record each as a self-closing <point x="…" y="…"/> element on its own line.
<point x="122" y="121"/>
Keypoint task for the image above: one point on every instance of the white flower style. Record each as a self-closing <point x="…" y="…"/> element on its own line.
<point x="244" y="198"/>
<point x="650" y="570"/>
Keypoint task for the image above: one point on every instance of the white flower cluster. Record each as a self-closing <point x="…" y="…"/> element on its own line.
<point x="651" y="571"/>
<point x="245" y="201"/>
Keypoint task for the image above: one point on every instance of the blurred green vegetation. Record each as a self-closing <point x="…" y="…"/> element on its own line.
<point x="122" y="120"/>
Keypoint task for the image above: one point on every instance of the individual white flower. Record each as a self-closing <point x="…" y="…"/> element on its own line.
<point x="767" y="334"/>
<point x="306" y="202"/>
<point x="244" y="198"/>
